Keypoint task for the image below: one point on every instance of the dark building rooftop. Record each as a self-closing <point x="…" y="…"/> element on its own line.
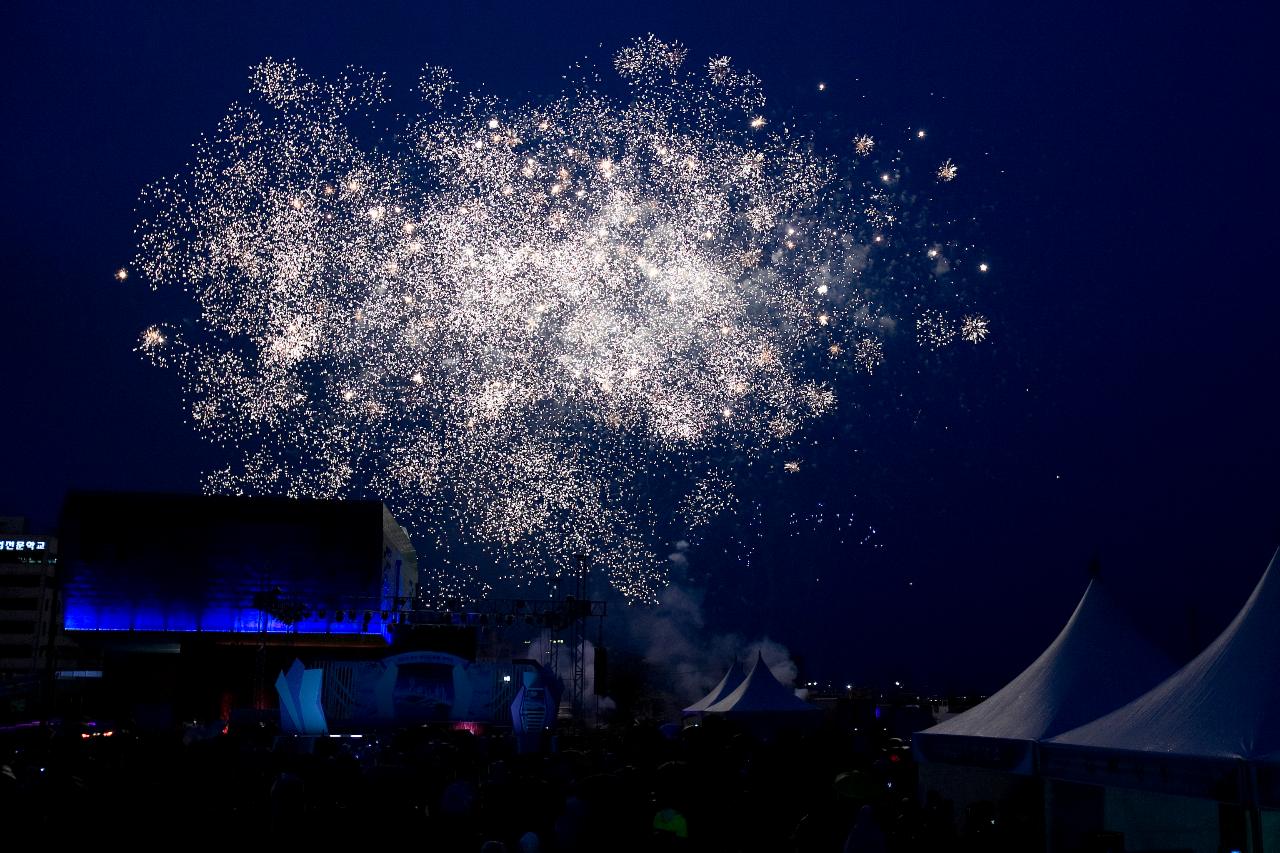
<point x="179" y="563"/>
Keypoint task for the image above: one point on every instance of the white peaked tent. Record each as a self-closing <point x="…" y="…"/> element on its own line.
<point x="1098" y="662"/>
<point x="760" y="695"/>
<point x="1210" y="731"/>
<point x="732" y="678"/>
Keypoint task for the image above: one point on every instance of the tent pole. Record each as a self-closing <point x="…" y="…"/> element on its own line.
<point x="1255" y="811"/>
<point x="1249" y="779"/>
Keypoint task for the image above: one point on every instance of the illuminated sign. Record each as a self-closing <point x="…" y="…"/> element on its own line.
<point x="21" y="545"/>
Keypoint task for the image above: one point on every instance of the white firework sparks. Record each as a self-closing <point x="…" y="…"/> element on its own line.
<point x="516" y="324"/>
<point x="973" y="328"/>
<point x="868" y="354"/>
<point x="934" y="329"/>
<point x="947" y="171"/>
<point x="151" y="338"/>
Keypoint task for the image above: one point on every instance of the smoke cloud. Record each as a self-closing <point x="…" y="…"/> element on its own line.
<point x="686" y="660"/>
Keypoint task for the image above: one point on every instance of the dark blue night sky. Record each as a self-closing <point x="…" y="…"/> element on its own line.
<point x="1126" y="405"/>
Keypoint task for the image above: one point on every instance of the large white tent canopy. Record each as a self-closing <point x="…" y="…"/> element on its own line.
<point x="1215" y="723"/>
<point x="1098" y="662"/>
<point x="1224" y="703"/>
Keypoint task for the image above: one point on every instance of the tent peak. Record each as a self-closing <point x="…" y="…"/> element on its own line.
<point x="1220" y="704"/>
<point x="733" y="676"/>
<point x="760" y="692"/>
<point x="1065" y="687"/>
<point x="1095" y="567"/>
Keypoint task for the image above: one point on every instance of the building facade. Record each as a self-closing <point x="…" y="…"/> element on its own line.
<point x="187" y="606"/>
<point x="181" y="564"/>
<point x="28" y="616"/>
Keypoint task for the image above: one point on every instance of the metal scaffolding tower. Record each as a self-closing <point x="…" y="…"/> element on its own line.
<point x="578" y="610"/>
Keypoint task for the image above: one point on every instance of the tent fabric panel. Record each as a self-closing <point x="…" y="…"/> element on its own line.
<point x="1225" y="703"/>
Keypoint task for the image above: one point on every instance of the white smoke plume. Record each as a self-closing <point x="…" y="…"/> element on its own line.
<point x="673" y="639"/>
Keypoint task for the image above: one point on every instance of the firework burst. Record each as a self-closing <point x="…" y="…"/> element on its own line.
<point x="516" y="323"/>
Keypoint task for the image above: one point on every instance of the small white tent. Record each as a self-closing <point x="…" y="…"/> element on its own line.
<point x="760" y="695"/>
<point x="732" y="678"/>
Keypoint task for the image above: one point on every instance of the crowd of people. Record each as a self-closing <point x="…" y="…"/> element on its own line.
<point x="638" y="787"/>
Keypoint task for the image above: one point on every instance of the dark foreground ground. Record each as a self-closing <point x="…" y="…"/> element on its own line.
<point x="635" y="788"/>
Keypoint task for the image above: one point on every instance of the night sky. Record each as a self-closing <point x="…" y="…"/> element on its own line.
<point x="1124" y="185"/>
